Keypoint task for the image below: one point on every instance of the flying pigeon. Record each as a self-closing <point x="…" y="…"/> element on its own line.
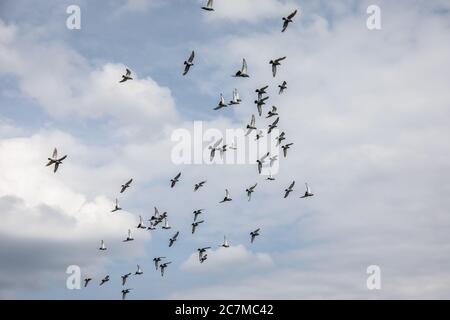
<point x="157" y="261"/>
<point x="195" y="225"/>
<point x="273" y="125"/>
<point x="280" y="138"/>
<point x="243" y="73"/>
<point x="214" y="148"/>
<point x="259" y="135"/>
<point x="282" y="87"/>
<point x="227" y="197"/>
<point x="270" y="177"/>
<point x="221" y="104"/>
<point x="201" y="252"/>
<point x="261" y="91"/>
<point x="289" y="190"/>
<point x="236" y="98"/>
<point x="275" y="63"/>
<point x="197" y="213"/>
<point x="54" y="160"/>
<point x="173" y="239"/>
<point x="86" y="281"/>
<point x="286" y="148"/>
<point x="251" y="126"/>
<point x="124" y="278"/>
<point x="126" y="186"/>
<point x="139" y="271"/>
<point x="199" y="185"/>
<point x="124" y="293"/>
<point x="272" y="160"/>
<point x="189" y="63"/>
<point x="129" y="237"/>
<point x="174" y="181"/>
<point x="254" y="234"/>
<point x="250" y="191"/>
<point x="260" y="103"/>
<point x="273" y="112"/>
<point x="166" y="224"/>
<point x="102" y="246"/>
<point x="126" y="76"/>
<point x="261" y="161"/>
<point x="288" y="20"/>
<point x="116" y="207"/>
<point x="225" y="243"/>
<point x="209" y="6"/>
<point x="163" y="267"/>
<point x="308" y="192"/>
<point x="141" y="224"/>
<point x="104" y="280"/>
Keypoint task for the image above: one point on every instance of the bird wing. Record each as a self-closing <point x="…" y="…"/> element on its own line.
<point x="128" y="73"/>
<point x="55" y="153"/>
<point x="280" y="59"/>
<point x="210" y="4"/>
<point x="217" y="143"/>
<point x="227" y="194"/>
<point x="178" y="176"/>
<point x="244" y="66"/>
<point x="56" y="167"/>
<point x="292" y="14"/>
<point x="292" y="185"/>
<point x="285" y="25"/>
<point x="275" y="122"/>
<point x="274" y="70"/>
<point x="264" y="157"/>
<point x="253" y="121"/>
<point x="191" y="58"/>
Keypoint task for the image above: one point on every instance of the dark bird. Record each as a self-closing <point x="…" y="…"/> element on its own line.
<point x="227" y="197"/>
<point x="126" y="76"/>
<point x="173" y="239"/>
<point x="174" y="181"/>
<point x="86" y="281"/>
<point x="104" y="280"/>
<point x="151" y="226"/>
<point x="209" y="6"/>
<point x="199" y="185"/>
<point x="203" y="258"/>
<point x="157" y="261"/>
<point x="102" y="246"/>
<point x="124" y="293"/>
<point x="243" y="73"/>
<point x="250" y="191"/>
<point x="308" y="192"/>
<point x="197" y="213"/>
<point x="254" y="234"/>
<point x="261" y="161"/>
<point x="189" y="63"/>
<point x="116" y="207"/>
<point x="275" y="63"/>
<point x="195" y="225"/>
<point x="251" y="126"/>
<point x="260" y="103"/>
<point x="282" y="87"/>
<point x="124" y="278"/>
<point x="126" y="186"/>
<point x="286" y="148"/>
<point x="281" y="138"/>
<point x="54" y="160"/>
<point x="163" y="267"/>
<point x="289" y="190"/>
<point x="129" y="238"/>
<point x="201" y="252"/>
<point x="273" y="112"/>
<point x="261" y="91"/>
<point x="287" y="20"/>
<point x="273" y="125"/>
<point x="139" y="271"/>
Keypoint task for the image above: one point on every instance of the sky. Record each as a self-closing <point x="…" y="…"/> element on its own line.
<point x="367" y="111"/>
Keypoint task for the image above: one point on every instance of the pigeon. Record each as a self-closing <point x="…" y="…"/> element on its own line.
<point x="243" y="73"/>
<point x="227" y="197"/>
<point x="173" y="239"/>
<point x="189" y="63"/>
<point x="221" y="104"/>
<point x="141" y="224"/>
<point x="261" y="91"/>
<point x="86" y="281"/>
<point x="289" y="190"/>
<point x="116" y="207"/>
<point x="151" y="226"/>
<point x="270" y="177"/>
<point x="203" y="258"/>
<point x="288" y="20"/>
<point x="273" y="112"/>
<point x="282" y="87"/>
<point x="104" y="280"/>
<point x="126" y="186"/>
<point x="197" y="213"/>
<point x="275" y="63"/>
<point x="126" y="76"/>
<point x="254" y="234"/>
<point x="209" y="6"/>
<point x="174" y="181"/>
<point x="195" y="225"/>
<point x="129" y="238"/>
<point x="124" y="293"/>
<point x="280" y="138"/>
<point x="236" y="98"/>
<point x="124" y="278"/>
<point x="102" y="246"/>
<point x="166" y="225"/>
<point x="273" y="125"/>
<point x="308" y="192"/>
<point x="250" y="191"/>
<point x="138" y="271"/>
<point x="157" y="261"/>
<point x="251" y="125"/>
<point x="199" y="185"/>
<point x="272" y="160"/>
<point x="54" y="160"/>
<point x="225" y="243"/>
<point x="286" y="148"/>
<point x="261" y="161"/>
<point x="163" y="267"/>
<point x="260" y="103"/>
<point x="213" y="149"/>
<point x="259" y="135"/>
<point x="156" y="216"/>
<point x="201" y="252"/>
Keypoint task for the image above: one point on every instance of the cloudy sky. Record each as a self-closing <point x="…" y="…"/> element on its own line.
<point x="367" y="110"/>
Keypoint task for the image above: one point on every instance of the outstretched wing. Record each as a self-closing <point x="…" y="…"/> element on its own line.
<point x="55" y="153"/>
<point x="244" y="66"/>
<point x="292" y="14"/>
<point x="128" y="73"/>
<point x="191" y="58"/>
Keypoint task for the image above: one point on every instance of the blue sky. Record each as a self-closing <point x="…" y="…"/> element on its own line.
<point x="367" y="111"/>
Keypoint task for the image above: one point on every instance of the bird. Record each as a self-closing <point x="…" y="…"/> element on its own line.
<point x="126" y="186"/>
<point x="203" y="258"/>
<point x="163" y="267"/>
<point x="189" y="63"/>
<point x="129" y="237"/>
<point x="260" y="103"/>
<point x="124" y="293"/>
<point x="201" y="252"/>
<point x="287" y="20"/>
<point x="174" y="181"/>
<point x="213" y="149"/>
<point x="308" y="192"/>
<point x="250" y="191"/>
<point x="270" y="177"/>
<point x="227" y="197"/>
<point x="195" y="225"/>
<point x="157" y="260"/>
<point x="221" y="104"/>
<point x="275" y="63"/>
<point x="199" y="185"/>
<point x="116" y="207"/>
<point x="197" y="213"/>
<point x="86" y="281"/>
<point x="282" y="87"/>
<point x="254" y="234"/>
<point x="273" y="125"/>
<point x="236" y="98"/>
<point x="156" y="216"/>
<point x="209" y="6"/>
<point x="126" y="76"/>
<point x="104" y="280"/>
<point x="139" y="271"/>
<point x="166" y="224"/>
<point x="124" y="278"/>
<point x="286" y="148"/>
<point x="251" y="126"/>
<point x="102" y="246"/>
<point x="272" y="160"/>
<point x="259" y="135"/>
<point x="272" y="112"/>
<point x="141" y="224"/>
<point x="261" y="161"/>
<point x="289" y="190"/>
<point x="243" y="73"/>
<point x="225" y="243"/>
<point x="173" y="239"/>
<point x="261" y="91"/>
<point x="280" y="138"/>
<point x="151" y="226"/>
<point x="54" y="160"/>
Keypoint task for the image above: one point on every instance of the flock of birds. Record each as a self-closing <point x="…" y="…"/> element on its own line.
<point x="161" y="219"/>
